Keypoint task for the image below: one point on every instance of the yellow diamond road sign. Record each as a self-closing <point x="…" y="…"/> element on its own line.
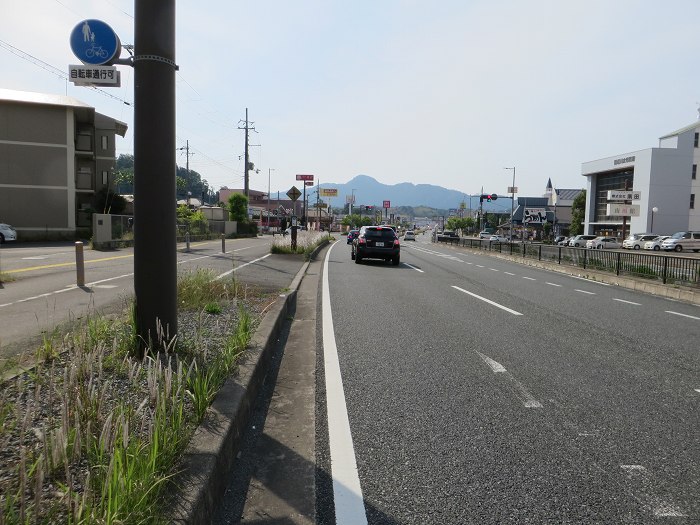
<point x="293" y="193"/>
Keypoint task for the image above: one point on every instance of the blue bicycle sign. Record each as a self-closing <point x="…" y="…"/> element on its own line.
<point x="94" y="42"/>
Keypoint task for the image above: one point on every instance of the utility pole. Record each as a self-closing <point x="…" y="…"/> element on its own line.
<point x="186" y="149"/>
<point x="155" y="243"/>
<point x="269" y="170"/>
<point x="247" y="127"/>
<point x="318" y="209"/>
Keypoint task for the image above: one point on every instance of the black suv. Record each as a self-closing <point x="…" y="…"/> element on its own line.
<point x="376" y="242"/>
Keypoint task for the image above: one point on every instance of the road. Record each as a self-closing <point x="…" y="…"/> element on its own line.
<point x="459" y="388"/>
<point x="44" y="297"/>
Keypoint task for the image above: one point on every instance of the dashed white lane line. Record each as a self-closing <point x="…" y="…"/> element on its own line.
<point x="493" y="269"/>
<point x="682" y="315"/>
<point x="530" y="278"/>
<point x="489" y="301"/>
<point x="584" y="291"/>
<point x="554" y="284"/>
<point x="480" y="266"/>
<point x="521" y="392"/>
<point x="697" y="390"/>
<point x="347" y="492"/>
<point x="414" y="268"/>
<point x="626" y="302"/>
<point x="508" y="273"/>
<point x="643" y="490"/>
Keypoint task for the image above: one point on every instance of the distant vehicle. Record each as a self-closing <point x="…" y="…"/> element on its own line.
<point x="449" y="233"/>
<point x="604" y="243"/>
<point x="409" y="236"/>
<point x="579" y="241"/>
<point x="376" y="242"/>
<point x="637" y="240"/>
<point x="655" y="244"/>
<point x="7" y="233"/>
<point x="558" y="239"/>
<point x="498" y="238"/>
<point x="351" y="235"/>
<point x="563" y="242"/>
<point x="486" y="234"/>
<point x="680" y="241"/>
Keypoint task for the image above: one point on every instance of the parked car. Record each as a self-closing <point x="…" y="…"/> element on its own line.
<point x="579" y="241"/>
<point x="351" y="235"/>
<point x="655" y="244"/>
<point x="409" y="235"/>
<point x="680" y="241"/>
<point x="7" y="233"/>
<point x="558" y="239"/>
<point x="498" y="238"/>
<point x="564" y="241"/>
<point x="376" y="242"/>
<point x="636" y="240"/>
<point x="604" y="243"/>
<point x="485" y="234"/>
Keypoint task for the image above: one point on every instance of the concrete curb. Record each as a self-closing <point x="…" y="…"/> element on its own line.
<point x="205" y="466"/>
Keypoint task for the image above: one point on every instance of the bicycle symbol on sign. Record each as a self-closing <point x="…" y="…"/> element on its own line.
<point x="96" y="51"/>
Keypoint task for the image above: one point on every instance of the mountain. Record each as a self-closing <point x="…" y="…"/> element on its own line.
<point x="369" y="191"/>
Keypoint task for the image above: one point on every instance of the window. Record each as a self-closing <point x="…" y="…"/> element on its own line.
<point x="695" y="171"/>
<point x="697" y="135"/>
<point x="692" y="201"/>
<point x="105" y="141"/>
<point x="104" y="178"/>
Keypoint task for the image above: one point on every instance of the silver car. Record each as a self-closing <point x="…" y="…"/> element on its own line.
<point x="7" y="233"/>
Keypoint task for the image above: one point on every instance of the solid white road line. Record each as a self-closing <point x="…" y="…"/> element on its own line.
<point x="682" y="315"/>
<point x="589" y="280"/>
<point x="487" y="301"/>
<point x="626" y="302"/>
<point x="242" y="266"/>
<point x="347" y="492"/>
<point x="584" y="291"/>
<point x="414" y="268"/>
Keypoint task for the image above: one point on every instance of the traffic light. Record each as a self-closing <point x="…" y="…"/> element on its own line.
<point x="488" y="197"/>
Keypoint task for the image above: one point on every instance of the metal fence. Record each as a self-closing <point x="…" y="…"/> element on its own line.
<point x="669" y="269"/>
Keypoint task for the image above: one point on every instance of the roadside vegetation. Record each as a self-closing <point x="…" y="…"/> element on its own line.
<point x="307" y="242"/>
<point x="92" y="433"/>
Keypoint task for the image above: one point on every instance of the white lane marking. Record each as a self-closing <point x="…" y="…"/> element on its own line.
<point x="414" y="268"/>
<point x="495" y="365"/>
<point x="35" y="258"/>
<point x="644" y="493"/>
<point x="508" y="273"/>
<point x="525" y="397"/>
<point x="697" y="390"/>
<point x="487" y="301"/>
<point x="479" y="265"/>
<point x="347" y="492"/>
<point x="106" y="286"/>
<point x="243" y="266"/>
<point x="682" y="315"/>
<point x="554" y="284"/>
<point x="530" y="278"/>
<point x="469" y="262"/>
<point x="584" y="291"/>
<point x="590" y="280"/>
<point x="626" y="302"/>
<point x="494" y="270"/>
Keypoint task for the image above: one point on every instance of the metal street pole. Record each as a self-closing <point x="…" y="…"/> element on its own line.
<point x="155" y="242"/>
<point x="512" y="202"/>
<point x="268" y="198"/>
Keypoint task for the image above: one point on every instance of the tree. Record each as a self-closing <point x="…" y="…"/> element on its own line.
<point x="106" y="201"/>
<point x="578" y="214"/>
<point x="238" y="207"/>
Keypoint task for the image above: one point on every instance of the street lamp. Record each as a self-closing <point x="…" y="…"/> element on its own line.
<point x="653" y="211"/>
<point x="512" y="201"/>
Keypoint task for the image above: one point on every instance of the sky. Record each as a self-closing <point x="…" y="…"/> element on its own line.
<point x="447" y="92"/>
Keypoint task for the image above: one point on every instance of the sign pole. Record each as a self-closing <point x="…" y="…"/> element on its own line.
<point x="155" y="242"/>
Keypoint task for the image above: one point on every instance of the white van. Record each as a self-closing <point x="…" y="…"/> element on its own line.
<point x="580" y="241"/>
<point x="636" y="240"/>
<point x="680" y="241"/>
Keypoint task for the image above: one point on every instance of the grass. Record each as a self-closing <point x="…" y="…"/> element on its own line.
<point x="97" y="431"/>
<point x="307" y="242"/>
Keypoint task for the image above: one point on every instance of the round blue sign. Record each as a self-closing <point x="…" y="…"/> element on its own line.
<point x="94" y="42"/>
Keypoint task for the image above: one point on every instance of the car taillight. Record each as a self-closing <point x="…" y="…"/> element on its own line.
<point x="362" y="240"/>
<point x="396" y="242"/>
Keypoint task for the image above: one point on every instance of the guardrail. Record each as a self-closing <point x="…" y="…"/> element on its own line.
<point x="669" y="269"/>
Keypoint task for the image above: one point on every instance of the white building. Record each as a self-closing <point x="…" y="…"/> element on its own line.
<point x="665" y="176"/>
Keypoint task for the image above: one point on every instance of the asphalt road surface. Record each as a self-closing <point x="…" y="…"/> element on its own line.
<point x="44" y="297"/>
<point x="477" y="390"/>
